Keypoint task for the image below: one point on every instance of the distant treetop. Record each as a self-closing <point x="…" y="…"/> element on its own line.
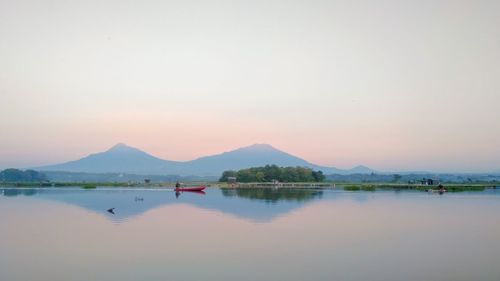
<point x="15" y="175"/>
<point x="270" y="173"/>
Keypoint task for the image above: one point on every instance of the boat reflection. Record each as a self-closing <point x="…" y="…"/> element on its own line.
<point x="200" y="192"/>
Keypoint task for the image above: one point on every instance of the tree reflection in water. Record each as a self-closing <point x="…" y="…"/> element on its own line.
<point x="10" y="192"/>
<point x="273" y="195"/>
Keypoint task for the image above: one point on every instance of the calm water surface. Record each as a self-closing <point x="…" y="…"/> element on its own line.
<point x="254" y="234"/>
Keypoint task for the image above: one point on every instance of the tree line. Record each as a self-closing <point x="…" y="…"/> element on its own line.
<point x="15" y="175"/>
<point x="270" y="173"/>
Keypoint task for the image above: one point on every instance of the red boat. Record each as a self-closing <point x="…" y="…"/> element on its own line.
<point x="196" y="188"/>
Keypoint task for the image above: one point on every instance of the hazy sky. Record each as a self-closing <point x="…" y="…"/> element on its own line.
<point x="395" y="85"/>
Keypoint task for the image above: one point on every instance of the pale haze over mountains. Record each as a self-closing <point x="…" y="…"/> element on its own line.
<point x="125" y="159"/>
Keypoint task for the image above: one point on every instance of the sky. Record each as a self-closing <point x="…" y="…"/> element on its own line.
<point x="394" y="85"/>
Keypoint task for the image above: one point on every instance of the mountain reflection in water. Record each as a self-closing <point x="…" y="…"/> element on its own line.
<point x="264" y="204"/>
<point x="128" y="234"/>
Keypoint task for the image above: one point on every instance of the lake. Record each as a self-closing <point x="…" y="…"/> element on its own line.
<point x="248" y="234"/>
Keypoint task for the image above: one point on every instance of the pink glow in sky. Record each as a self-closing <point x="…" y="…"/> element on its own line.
<point x="398" y="85"/>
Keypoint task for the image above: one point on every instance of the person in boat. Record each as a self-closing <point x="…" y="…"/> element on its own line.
<point x="177" y="192"/>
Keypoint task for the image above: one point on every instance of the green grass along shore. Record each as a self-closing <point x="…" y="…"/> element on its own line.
<point x="452" y="187"/>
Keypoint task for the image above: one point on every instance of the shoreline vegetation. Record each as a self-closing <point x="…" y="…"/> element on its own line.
<point x="269" y="176"/>
<point x="273" y="173"/>
<point x="263" y="185"/>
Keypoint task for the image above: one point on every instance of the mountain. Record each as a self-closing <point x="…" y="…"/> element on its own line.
<point x="361" y="170"/>
<point x="118" y="159"/>
<point x="250" y="156"/>
<point x="125" y="159"/>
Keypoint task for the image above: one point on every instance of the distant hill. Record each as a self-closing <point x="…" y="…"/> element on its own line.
<point x="58" y="176"/>
<point x="361" y="170"/>
<point x="125" y="159"/>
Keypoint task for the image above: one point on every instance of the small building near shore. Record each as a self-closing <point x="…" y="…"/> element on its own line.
<point x="429" y="181"/>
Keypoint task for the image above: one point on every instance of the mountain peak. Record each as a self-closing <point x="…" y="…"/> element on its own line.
<point x="259" y="147"/>
<point x="361" y="169"/>
<point x="120" y="146"/>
